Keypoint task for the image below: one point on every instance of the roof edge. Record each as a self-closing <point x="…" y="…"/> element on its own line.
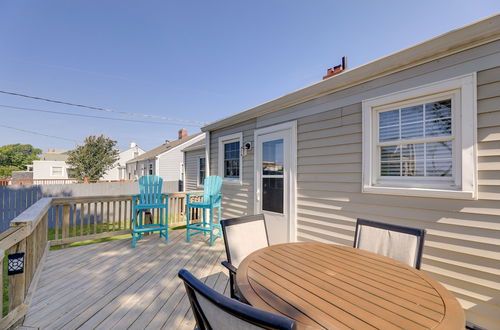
<point x="454" y="41"/>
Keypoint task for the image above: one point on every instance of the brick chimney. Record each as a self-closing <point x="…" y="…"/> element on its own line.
<point x="336" y="69"/>
<point x="183" y="133"/>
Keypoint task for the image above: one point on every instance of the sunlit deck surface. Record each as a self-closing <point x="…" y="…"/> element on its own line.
<point x="110" y="285"/>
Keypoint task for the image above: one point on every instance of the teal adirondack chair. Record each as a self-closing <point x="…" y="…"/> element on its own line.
<point x="212" y="198"/>
<point x="150" y="197"/>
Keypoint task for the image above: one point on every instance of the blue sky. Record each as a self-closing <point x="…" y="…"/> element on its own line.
<point x="195" y="60"/>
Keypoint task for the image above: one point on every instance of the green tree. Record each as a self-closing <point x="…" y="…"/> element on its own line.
<point x="15" y="157"/>
<point x="92" y="159"/>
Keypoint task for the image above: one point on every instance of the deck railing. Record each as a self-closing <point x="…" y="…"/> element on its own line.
<point x="76" y="219"/>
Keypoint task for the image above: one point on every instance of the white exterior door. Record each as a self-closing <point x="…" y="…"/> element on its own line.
<point x="275" y="180"/>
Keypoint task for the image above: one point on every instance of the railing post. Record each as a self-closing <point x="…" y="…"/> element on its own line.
<point x="2" y="254"/>
<point x="29" y="259"/>
<point x="65" y="222"/>
<point x="17" y="283"/>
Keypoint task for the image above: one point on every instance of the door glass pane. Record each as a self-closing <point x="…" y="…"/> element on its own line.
<point x="272" y="157"/>
<point x="272" y="194"/>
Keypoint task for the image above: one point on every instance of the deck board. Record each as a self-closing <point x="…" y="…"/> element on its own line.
<point x="112" y="286"/>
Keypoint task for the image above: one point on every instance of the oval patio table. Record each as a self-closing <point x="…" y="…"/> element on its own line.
<point x="329" y="286"/>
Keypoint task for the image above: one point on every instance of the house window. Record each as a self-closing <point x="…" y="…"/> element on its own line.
<point x="230" y="157"/>
<point x="150" y="169"/>
<point x="421" y="141"/>
<point x="201" y="170"/>
<point x="57" y="171"/>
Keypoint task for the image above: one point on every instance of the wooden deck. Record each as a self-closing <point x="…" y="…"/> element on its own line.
<point x="110" y="285"/>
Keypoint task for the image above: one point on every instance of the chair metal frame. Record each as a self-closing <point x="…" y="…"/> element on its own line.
<point x="419" y="233"/>
<point x="228" y="264"/>
<point x="246" y="313"/>
<point x="150" y="197"/>
<point x="211" y="200"/>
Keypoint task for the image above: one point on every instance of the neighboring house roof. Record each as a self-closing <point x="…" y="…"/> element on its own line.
<point x="199" y="145"/>
<point x="469" y="36"/>
<point x="62" y="156"/>
<point x="153" y="153"/>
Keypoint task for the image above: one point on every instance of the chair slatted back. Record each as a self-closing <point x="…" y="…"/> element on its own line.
<point x="213" y="310"/>
<point x="150" y="189"/>
<point x="211" y="189"/>
<point x="401" y="243"/>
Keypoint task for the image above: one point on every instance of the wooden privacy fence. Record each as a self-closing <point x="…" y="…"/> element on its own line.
<point x="76" y="219"/>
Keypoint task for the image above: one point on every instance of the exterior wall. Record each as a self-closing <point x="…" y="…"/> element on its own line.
<point x="237" y="198"/>
<point x="170" y="164"/>
<point x="191" y="161"/>
<point x="138" y="169"/>
<point x="42" y="169"/>
<point x="124" y="157"/>
<point x="462" y="248"/>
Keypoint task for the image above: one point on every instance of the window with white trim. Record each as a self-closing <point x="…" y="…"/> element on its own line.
<point x="230" y="157"/>
<point x="201" y="170"/>
<point x="57" y="171"/>
<point x="421" y="142"/>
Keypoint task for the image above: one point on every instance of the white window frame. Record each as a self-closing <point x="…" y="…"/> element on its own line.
<point x="462" y="91"/>
<point x="198" y="168"/>
<point x="58" y="175"/>
<point x="222" y="141"/>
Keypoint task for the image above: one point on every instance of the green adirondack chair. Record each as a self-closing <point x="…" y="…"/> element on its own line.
<point x="150" y="197"/>
<point x="212" y="198"/>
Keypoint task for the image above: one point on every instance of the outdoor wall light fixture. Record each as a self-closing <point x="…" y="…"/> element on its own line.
<point x="15" y="263"/>
<point x="245" y="148"/>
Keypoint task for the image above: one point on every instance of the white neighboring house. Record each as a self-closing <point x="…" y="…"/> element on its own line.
<point x="51" y="165"/>
<point x="118" y="172"/>
<point x="165" y="161"/>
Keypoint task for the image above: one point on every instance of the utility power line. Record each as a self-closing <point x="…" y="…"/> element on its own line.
<point x="37" y="133"/>
<point x="88" y="116"/>
<point x="199" y="123"/>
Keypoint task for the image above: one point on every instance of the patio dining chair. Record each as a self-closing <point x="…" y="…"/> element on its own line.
<point x="149" y="198"/>
<point x="213" y="310"/>
<point x="242" y="236"/>
<point x="401" y="243"/>
<point x="212" y="198"/>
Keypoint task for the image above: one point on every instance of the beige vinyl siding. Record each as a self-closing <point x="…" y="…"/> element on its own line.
<point x="462" y="248"/>
<point x="191" y="161"/>
<point x="237" y="198"/>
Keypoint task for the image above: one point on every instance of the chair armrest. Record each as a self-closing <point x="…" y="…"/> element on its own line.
<point x="229" y="266"/>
